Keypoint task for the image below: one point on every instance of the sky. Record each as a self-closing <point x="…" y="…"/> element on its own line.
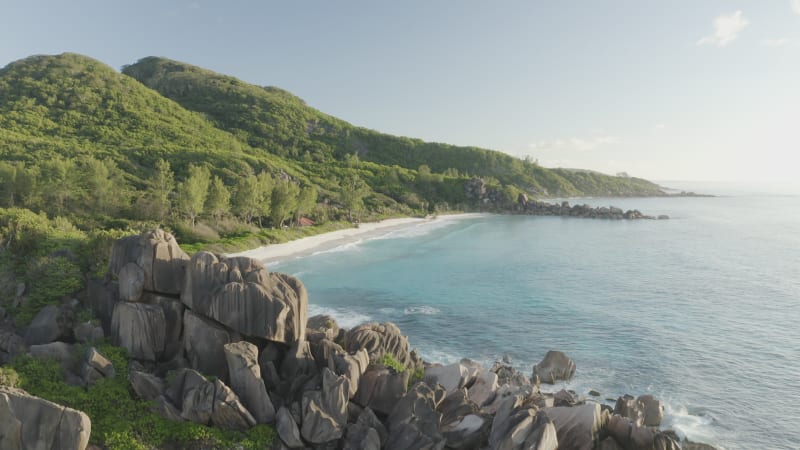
<point x="679" y="90"/>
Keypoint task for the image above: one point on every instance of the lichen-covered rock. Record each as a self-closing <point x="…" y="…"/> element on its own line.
<point x="246" y="382"/>
<point x="241" y="294"/>
<point x="140" y="328"/>
<point x="158" y="255"/>
<point x="204" y="342"/>
<point x="379" y="339"/>
<point x="35" y="423"/>
<point x="555" y="366"/>
<point x="577" y="427"/>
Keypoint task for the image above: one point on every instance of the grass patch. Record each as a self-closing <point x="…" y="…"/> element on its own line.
<point x="119" y="420"/>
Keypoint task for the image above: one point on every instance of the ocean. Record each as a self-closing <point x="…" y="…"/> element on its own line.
<point x="701" y="310"/>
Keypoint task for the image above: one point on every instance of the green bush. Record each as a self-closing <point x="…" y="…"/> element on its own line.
<point x="9" y="377"/>
<point x="389" y="360"/>
<point x="119" y="420"/>
<point x="49" y="279"/>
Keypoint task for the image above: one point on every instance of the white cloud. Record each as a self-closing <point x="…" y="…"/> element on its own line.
<point x="796" y="6"/>
<point x="660" y="126"/>
<point x="781" y="42"/>
<point x="573" y="143"/>
<point x="726" y="29"/>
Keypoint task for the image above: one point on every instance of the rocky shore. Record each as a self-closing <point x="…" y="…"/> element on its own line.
<point x="223" y="342"/>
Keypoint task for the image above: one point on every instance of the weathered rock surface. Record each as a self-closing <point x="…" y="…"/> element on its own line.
<point x="414" y="422"/>
<point x="147" y="386"/>
<point x="632" y="436"/>
<point x="206" y="402"/>
<point x="241" y="294"/>
<point x="577" y="427"/>
<point x="325" y="411"/>
<point x="140" y="328"/>
<point x="287" y="429"/>
<point x="131" y="282"/>
<point x="246" y="382"/>
<point x="87" y="333"/>
<point x="33" y="423"/>
<point x="96" y="367"/>
<point x="450" y="377"/>
<point x="204" y="342"/>
<point x="379" y="339"/>
<point x="380" y="388"/>
<point x="644" y="410"/>
<point x="366" y="433"/>
<point x="103" y="297"/>
<point x="555" y="366"/>
<point x="11" y="345"/>
<point x="322" y="326"/>
<point x="51" y="323"/>
<point x="158" y="256"/>
<point x="484" y="387"/>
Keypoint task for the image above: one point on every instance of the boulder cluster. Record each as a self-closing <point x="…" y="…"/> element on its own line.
<point x="223" y="342"/>
<point x="563" y="209"/>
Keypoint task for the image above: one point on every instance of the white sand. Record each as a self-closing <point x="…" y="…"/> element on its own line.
<point x="321" y="242"/>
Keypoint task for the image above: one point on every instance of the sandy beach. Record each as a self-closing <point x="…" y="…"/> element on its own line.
<point x="321" y="242"/>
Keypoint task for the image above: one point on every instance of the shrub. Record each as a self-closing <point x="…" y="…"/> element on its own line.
<point x="9" y="377"/>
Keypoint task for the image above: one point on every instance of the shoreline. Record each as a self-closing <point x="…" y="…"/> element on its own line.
<point x="275" y="253"/>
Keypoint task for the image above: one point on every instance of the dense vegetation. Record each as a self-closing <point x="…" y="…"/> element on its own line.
<point x="88" y="154"/>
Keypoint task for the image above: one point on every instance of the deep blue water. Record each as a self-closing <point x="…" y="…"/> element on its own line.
<point x="701" y="310"/>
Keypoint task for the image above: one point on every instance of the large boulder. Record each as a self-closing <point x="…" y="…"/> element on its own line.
<point x="11" y="345"/>
<point x="414" y="423"/>
<point x="469" y="432"/>
<point x="51" y="323"/>
<point x="644" y="410"/>
<point x="483" y="389"/>
<point x="577" y="427"/>
<point x="325" y="411"/>
<point x="30" y="422"/>
<point x="450" y="377"/>
<point x="555" y="366"/>
<point x="147" y="386"/>
<point x="159" y="257"/>
<point x="140" y="328"/>
<point x="287" y="429"/>
<point x="241" y="294"/>
<point x="379" y="339"/>
<point x="103" y="296"/>
<point x="322" y="326"/>
<point x="367" y="433"/>
<point x="131" y="282"/>
<point x="633" y="436"/>
<point x="208" y="403"/>
<point x="96" y="367"/>
<point x="380" y="388"/>
<point x="173" y="317"/>
<point x="246" y="382"/>
<point x="524" y="429"/>
<point x="204" y="342"/>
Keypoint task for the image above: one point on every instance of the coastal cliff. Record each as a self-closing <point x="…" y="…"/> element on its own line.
<point x="221" y="343"/>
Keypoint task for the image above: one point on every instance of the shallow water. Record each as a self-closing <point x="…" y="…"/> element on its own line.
<point x="700" y="310"/>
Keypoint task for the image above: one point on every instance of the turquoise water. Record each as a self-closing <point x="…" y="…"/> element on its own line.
<point x="701" y="310"/>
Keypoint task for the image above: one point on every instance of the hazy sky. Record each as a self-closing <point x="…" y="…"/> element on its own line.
<point x="693" y="90"/>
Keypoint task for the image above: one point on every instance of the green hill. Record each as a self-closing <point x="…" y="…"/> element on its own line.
<point x="283" y="124"/>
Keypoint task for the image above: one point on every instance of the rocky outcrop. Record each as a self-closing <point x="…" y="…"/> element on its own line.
<point x="325" y="411"/>
<point x="414" y="423"/>
<point x="644" y="410"/>
<point x="157" y="254"/>
<point x="29" y="422"/>
<point x="204" y="343"/>
<point x="208" y="403"/>
<point x="554" y="367"/>
<point x="96" y="367"/>
<point x="380" y="388"/>
<point x="242" y="295"/>
<point x="577" y="427"/>
<point x="140" y="328"/>
<point x="380" y="339"/>
<point x="51" y="323"/>
<point x="450" y="377"/>
<point x="246" y="382"/>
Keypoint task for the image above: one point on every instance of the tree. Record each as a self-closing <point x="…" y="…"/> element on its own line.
<point x="60" y="185"/>
<point x="306" y="201"/>
<point x="354" y="189"/>
<point x="218" y="202"/>
<point x="192" y="193"/>
<point x="284" y="201"/>
<point x="104" y="189"/>
<point x="252" y="197"/>
<point x="156" y="202"/>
